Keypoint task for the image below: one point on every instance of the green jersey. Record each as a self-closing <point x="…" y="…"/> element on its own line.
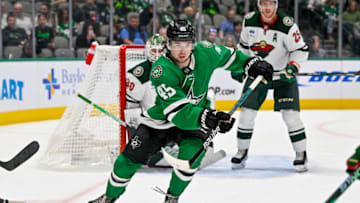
<point x="181" y="95"/>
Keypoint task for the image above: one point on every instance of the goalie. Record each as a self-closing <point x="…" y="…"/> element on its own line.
<point x="140" y="96"/>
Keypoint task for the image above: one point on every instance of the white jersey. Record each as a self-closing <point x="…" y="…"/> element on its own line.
<point x="278" y="44"/>
<point x="140" y="93"/>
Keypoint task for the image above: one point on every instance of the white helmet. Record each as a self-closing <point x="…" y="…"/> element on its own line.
<point x="259" y="5"/>
<point x="156" y="42"/>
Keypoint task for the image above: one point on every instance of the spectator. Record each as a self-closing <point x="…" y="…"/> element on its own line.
<point x="356" y="41"/>
<point x="123" y="7"/>
<point x="149" y="27"/>
<point x="146" y="15"/>
<point x="330" y="15"/>
<point x="237" y="31"/>
<point x="27" y="50"/>
<point x="89" y="6"/>
<point x="63" y="28"/>
<point x="104" y="12"/>
<point x="3" y="14"/>
<point x="210" y="7"/>
<point x="22" y="21"/>
<point x="179" y="6"/>
<point x="227" y="27"/>
<point x="44" y="35"/>
<point x="132" y="33"/>
<point x="350" y="17"/>
<point x="190" y="15"/>
<point x="116" y="37"/>
<point x="162" y="32"/>
<point x="56" y="3"/>
<point x="168" y="16"/>
<point x="77" y="13"/>
<point x="93" y="19"/>
<point x="163" y="5"/>
<point x="315" y="50"/>
<point x="212" y="36"/>
<point x="46" y="11"/>
<point x="229" y="41"/>
<point x="87" y="36"/>
<point x="13" y="35"/>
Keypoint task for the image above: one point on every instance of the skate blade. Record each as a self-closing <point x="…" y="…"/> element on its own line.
<point x="301" y="168"/>
<point x="237" y="166"/>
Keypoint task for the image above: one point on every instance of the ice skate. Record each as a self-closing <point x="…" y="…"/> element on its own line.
<point x="300" y="162"/>
<point x="238" y="161"/>
<point x="171" y="199"/>
<point x="103" y="199"/>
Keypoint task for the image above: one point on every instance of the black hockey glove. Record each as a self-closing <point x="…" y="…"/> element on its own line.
<point x="256" y="66"/>
<point x="210" y="119"/>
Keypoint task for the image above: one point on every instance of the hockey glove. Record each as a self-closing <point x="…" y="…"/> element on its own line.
<point x="256" y="66"/>
<point x="353" y="162"/>
<point x="290" y="73"/>
<point x="211" y="119"/>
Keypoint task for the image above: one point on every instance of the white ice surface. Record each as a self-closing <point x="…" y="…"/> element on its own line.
<point x="269" y="176"/>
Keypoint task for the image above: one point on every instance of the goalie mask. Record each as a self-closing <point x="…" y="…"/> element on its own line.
<point x="155" y="47"/>
<point x="261" y="6"/>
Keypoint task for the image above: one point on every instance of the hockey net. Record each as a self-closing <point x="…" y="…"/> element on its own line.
<point x="86" y="137"/>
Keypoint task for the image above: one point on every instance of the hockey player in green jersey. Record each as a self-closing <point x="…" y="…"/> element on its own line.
<point x="181" y="79"/>
<point x="140" y="96"/>
<point x="276" y="38"/>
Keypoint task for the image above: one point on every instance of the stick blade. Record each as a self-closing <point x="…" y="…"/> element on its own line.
<point x="174" y="162"/>
<point x="21" y="157"/>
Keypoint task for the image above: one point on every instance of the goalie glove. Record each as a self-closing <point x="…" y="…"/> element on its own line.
<point x="256" y="66"/>
<point x="211" y="119"/>
<point x="353" y="162"/>
<point x="290" y="72"/>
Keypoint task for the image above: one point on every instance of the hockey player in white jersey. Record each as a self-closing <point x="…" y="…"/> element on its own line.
<point x="275" y="37"/>
<point x="140" y="95"/>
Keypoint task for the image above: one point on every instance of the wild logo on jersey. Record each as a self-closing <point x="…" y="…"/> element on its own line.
<point x="262" y="48"/>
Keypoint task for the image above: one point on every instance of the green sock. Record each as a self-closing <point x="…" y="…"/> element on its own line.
<point x="123" y="170"/>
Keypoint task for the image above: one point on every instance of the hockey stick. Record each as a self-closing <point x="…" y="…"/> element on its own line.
<point x="324" y="74"/>
<point x="344" y="186"/>
<point x="186" y="164"/>
<point x="21" y="157"/>
<point x="103" y="110"/>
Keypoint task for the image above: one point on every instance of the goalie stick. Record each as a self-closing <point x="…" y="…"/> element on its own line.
<point x="186" y="164"/>
<point x="344" y="186"/>
<point x="21" y="157"/>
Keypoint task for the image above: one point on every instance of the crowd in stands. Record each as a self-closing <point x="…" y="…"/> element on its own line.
<point x="221" y="23"/>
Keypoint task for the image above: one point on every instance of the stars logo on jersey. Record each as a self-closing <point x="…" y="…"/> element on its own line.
<point x="262" y="48"/>
<point x="135" y="142"/>
<point x="138" y="71"/>
<point x="156" y="71"/>
<point x="194" y="99"/>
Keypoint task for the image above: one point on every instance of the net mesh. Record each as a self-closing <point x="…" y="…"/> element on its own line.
<point x="85" y="137"/>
